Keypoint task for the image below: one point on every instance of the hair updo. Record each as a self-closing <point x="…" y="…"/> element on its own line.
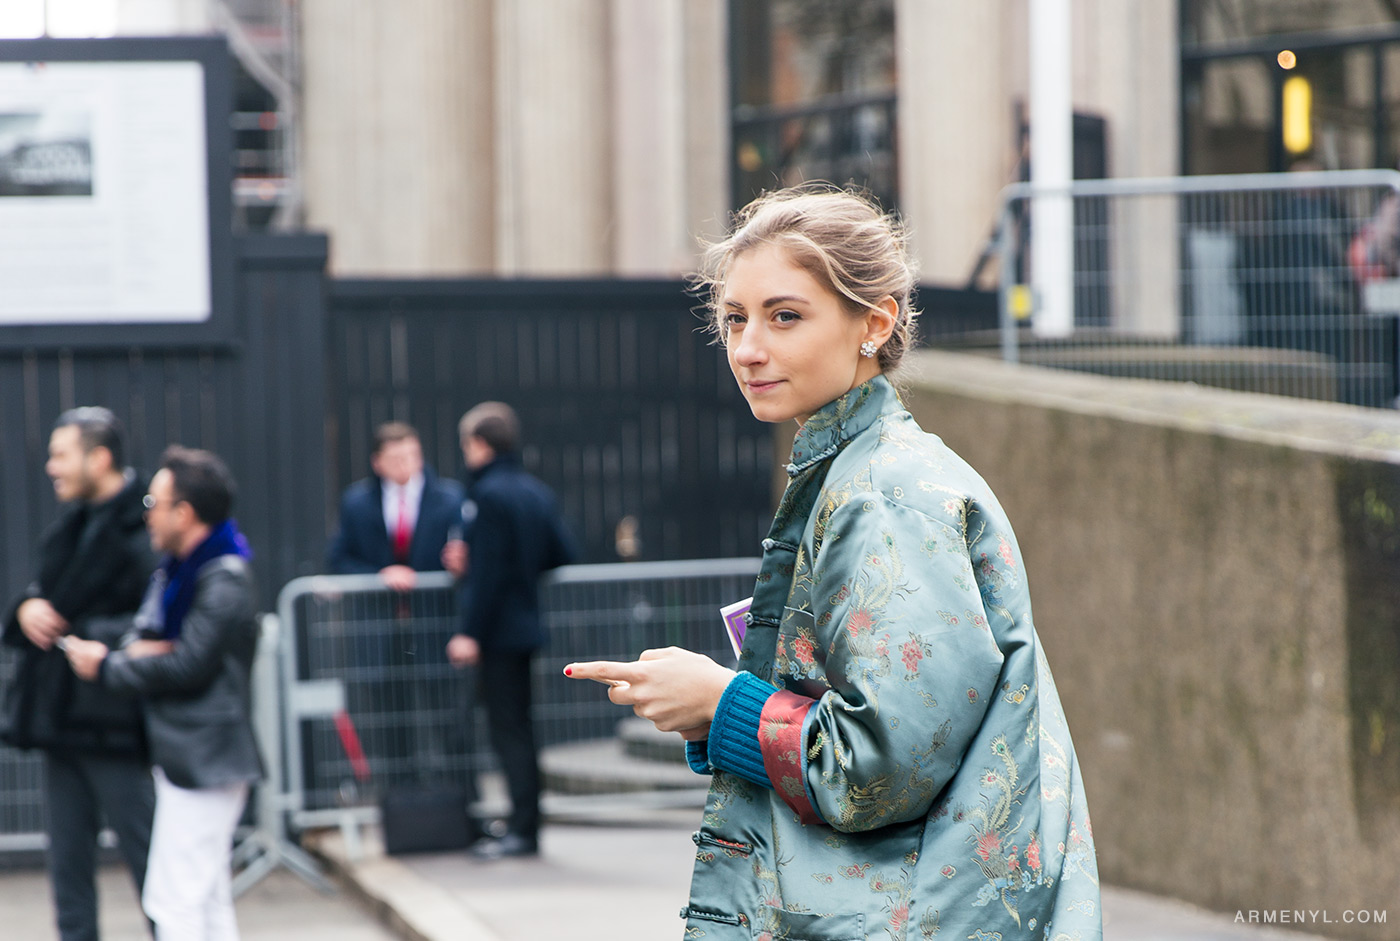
<point x="843" y="239"/>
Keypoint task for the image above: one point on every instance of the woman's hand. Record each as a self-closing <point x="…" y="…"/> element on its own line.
<point x="676" y="690"/>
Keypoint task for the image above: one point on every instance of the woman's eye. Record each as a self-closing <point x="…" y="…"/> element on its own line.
<point x="787" y="316"/>
<point x="734" y="320"/>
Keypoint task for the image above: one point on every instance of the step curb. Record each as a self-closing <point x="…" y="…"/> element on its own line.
<point x="412" y="907"/>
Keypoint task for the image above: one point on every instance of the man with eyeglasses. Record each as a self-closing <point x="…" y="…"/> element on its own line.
<point x="192" y="668"/>
<point x="94" y="563"/>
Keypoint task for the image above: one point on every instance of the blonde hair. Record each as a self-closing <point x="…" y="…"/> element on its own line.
<point x="841" y="237"/>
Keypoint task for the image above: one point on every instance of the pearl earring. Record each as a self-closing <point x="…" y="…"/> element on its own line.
<point x="868" y="349"/>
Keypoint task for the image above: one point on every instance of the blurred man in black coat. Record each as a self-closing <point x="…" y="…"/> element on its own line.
<point x="94" y="563"/>
<point x="514" y="535"/>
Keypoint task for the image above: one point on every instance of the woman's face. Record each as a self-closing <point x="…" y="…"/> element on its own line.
<point x="791" y="343"/>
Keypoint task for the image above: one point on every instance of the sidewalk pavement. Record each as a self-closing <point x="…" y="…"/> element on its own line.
<point x="280" y="908"/>
<point x="628" y="878"/>
<point x="625" y="878"/>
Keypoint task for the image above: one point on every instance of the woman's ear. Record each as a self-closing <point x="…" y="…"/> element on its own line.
<point x="881" y="319"/>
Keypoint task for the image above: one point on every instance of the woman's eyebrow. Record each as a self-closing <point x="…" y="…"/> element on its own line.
<point x="771" y="302"/>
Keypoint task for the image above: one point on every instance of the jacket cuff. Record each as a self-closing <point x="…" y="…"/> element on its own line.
<point x="783" y="732"/>
<point x="697" y="755"/>
<point x="733" y="744"/>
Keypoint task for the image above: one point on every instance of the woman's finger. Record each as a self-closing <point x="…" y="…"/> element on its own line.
<point x="611" y="672"/>
<point x="621" y="693"/>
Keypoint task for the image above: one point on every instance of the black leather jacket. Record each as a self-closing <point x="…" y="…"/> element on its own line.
<point x="197" y="697"/>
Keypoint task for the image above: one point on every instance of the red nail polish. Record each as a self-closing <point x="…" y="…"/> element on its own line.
<point x="568" y="671"/>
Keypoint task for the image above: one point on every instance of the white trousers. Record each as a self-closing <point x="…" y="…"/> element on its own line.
<point x="188" y="893"/>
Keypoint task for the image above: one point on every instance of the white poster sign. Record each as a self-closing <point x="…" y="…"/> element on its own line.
<point x="104" y="202"/>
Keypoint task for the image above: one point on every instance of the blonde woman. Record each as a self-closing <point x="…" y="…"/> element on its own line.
<point x="891" y="758"/>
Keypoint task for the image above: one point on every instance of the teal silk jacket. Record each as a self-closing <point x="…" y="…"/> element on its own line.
<point x="892" y="761"/>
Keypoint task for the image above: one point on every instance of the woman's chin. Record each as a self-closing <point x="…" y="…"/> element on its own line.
<point x="771" y="413"/>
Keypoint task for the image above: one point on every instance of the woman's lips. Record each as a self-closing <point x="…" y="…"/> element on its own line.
<point x="761" y="386"/>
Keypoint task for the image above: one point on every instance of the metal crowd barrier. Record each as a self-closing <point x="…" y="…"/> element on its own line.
<point x="263" y="837"/>
<point x="370" y="702"/>
<point x="1247" y="281"/>
<point x="353" y="695"/>
<point x="21" y="784"/>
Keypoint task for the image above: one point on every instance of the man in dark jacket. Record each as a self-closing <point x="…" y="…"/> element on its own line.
<point x="94" y="562"/>
<point x="514" y="535"/>
<point x="192" y="666"/>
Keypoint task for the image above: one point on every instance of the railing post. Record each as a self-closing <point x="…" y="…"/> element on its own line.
<point x="1052" y="168"/>
<point x="1006" y="279"/>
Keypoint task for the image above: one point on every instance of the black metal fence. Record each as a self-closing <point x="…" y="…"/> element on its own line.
<point x="627" y="410"/>
<point x="258" y="401"/>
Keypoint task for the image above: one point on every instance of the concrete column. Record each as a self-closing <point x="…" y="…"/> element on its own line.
<point x="553" y="137"/>
<point x="706" y="115"/>
<point x="955" y="130"/>
<point x="1052" y="165"/>
<point x="649" y="153"/>
<point x="670" y="107"/>
<point x="1127" y="73"/>
<point x="1150" y="128"/>
<point x="397" y="134"/>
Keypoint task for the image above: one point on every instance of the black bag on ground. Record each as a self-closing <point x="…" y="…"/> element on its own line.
<point x="426" y="819"/>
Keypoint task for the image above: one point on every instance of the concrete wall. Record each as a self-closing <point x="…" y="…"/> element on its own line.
<point x="1216" y="578"/>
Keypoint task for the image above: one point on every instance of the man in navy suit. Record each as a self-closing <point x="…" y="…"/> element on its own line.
<point x="396" y="524"/>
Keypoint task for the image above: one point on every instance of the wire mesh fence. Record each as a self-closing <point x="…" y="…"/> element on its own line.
<point x="367" y="702"/>
<point x="21" y="782"/>
<point x="1278" y="283"/>
<point x="391" y="708"/>
<point x="372" y="703"/>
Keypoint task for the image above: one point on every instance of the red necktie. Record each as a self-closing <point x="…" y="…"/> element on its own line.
<point x="402" y="534"/>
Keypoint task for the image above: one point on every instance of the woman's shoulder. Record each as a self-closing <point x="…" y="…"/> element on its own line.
<point x="899" y="460"/>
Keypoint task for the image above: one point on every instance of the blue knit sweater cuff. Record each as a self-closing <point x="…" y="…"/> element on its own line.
<point x="697" y="755"/>
<point x="733" y="743"/>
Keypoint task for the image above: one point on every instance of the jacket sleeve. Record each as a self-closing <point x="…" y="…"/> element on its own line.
<point x="222" y="606"/>
<point x="910" y="662"/>
<point x="13" y="634"/>
<point x="491" y="554"/>
<point x="561" y="549"/>
<point x="344" y="556"/>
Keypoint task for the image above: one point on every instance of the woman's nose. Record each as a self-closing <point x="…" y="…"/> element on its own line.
<point x="751" y="348"/>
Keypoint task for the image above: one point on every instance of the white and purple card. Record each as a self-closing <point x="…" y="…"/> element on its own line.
<point x="734" y="623"/>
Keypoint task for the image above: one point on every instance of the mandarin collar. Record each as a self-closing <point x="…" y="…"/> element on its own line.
<point x="839" y="421"/>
